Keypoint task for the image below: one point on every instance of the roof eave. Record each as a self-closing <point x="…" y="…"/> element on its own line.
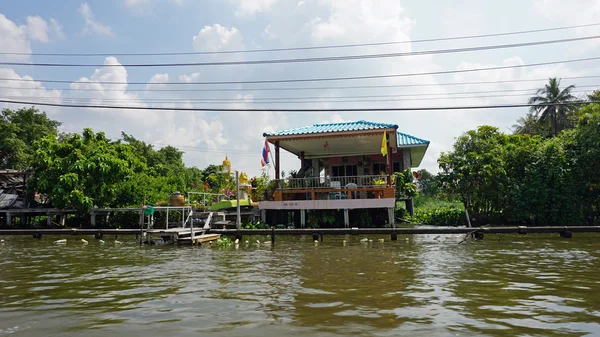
<point x="272" y="138"/>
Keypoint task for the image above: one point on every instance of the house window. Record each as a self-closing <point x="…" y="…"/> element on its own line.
<point x="379" y="167"/>
<point x="344" y="171"/>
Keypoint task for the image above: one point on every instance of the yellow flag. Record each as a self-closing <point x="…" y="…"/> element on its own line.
<point x="384" y="145"/>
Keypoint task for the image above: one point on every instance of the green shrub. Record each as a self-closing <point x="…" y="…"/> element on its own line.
<point x="445" y="216"/>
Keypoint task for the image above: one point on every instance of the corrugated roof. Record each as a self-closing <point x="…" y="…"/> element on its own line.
<point x="362" y="125"/>
<point x="407" y="140"/>
<point x="332" y="127"/>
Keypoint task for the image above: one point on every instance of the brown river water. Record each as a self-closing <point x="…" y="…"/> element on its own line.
<point x="509" y="285"/>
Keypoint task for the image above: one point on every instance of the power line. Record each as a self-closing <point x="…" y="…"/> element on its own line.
<point x="297" y="110"/>
<point x="308" y="59"/>
<point x="83" y="100"/>
<point x="347" y="78"/>
<point x="184" y="147"/>
<point x="179" y="99"/>
<point x="263" y="88"/>
<point x="464" y="37"/>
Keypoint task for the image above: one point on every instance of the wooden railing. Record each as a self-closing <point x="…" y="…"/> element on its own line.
<point x="348" y="187"/>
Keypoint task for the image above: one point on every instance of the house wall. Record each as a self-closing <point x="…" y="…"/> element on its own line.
<point x="397" y="157"/>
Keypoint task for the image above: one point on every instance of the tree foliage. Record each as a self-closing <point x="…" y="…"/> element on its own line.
<point x="18" y="131"/>
<point x="553" y="106"/>
<point x="82" y="171"/>
<point x="528" y="179"/>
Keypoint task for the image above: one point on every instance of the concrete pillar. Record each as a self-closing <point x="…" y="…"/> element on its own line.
<point x="23" y="219"/>
<point x="263" y="215"/>
<point x="391" y="216"/>
<point x="49" y="220"/>
<point x="93" y="218"/>
<point x="302" y="218"/>
<point x="63" y="220"/>
<point x="8" y="219"/>
<point x="346" y="218"/>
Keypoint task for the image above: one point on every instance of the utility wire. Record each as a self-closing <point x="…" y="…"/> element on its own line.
<point x="184" y="147"/>
<point x="347" y="78"/>
<point x="465" y="37"/>
<point x="306" y="59"/>
<point x="267" y="89"/>
<point x="296" y="110"/>
<point x="84" y="100"/>
<point x="306" y="97"/>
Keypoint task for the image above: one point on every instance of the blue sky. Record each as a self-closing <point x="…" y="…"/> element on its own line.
<point x="123" y="26"/>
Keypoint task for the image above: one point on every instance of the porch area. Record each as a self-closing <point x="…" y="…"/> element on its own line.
<point x="335" y="188"/>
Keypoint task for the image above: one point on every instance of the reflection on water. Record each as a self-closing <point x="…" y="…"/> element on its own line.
<point x="534" y="285"/>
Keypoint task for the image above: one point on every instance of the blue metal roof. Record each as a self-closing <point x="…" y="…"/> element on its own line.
<point x="407" y="140"/>
<point x="333" y="127"/>
<point x="362" y="125"/>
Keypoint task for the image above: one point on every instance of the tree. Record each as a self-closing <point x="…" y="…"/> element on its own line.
<point x="82" y="171"/>
<point x="552" y="105"/>
<point x="475" y="170"/>
<point x="429" y="184"/>
<point x="18" y="131"/>
<point x="529" y="125"/>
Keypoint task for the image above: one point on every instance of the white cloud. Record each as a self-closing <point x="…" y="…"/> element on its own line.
<point x="218" y="38"/>
<point x="140" y="7"/>
<point x="26" y="89"/>
<point x="157" y="81"/>
<point x="363" y="21"/>
<point x="91" y="25"/>
<point x="144" y="7"/>
<point x="251" y="7"/>
<point x="37" y="28"/>
<point x="177" y="128"/>
<point x="13" y="38"/>
<point x="185" y="78"/>
<point x="56" y="28"/>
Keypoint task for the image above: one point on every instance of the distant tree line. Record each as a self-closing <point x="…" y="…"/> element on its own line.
<point x="546" y="173"/>
<point x="85" y="170"/>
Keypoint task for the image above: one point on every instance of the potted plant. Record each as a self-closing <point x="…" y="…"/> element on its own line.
<point x="379" y="182"/>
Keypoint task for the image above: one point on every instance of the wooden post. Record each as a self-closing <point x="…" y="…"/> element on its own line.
<point x="8" y="219"/>
<point x="49" y="219"/>
<point x="23" y="219"/>
<point x="182" y="217"/>
<point x="63" y="220"/>
<point x="277" y="167"/>
<point x="410" y="206"/>
<point x="388" y="160"/>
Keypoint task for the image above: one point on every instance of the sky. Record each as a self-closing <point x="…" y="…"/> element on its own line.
<point x="114" y="28"/>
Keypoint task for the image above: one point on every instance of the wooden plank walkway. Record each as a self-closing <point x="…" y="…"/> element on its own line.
<point x="324" y="231"/>
<point x="184" y="235"/>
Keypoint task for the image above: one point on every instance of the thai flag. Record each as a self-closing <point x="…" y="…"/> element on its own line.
<point x="265" y="154"/>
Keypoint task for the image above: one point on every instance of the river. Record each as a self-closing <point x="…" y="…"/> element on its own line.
<point x="509" y="285"/>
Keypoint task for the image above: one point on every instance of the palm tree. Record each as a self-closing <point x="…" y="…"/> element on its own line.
<point x="552" y="105"/>
<point x="526" y="125"/>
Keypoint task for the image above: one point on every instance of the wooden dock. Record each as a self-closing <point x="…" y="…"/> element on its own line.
<point x="184" y="235"/>
<point x="313" y="231"/>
